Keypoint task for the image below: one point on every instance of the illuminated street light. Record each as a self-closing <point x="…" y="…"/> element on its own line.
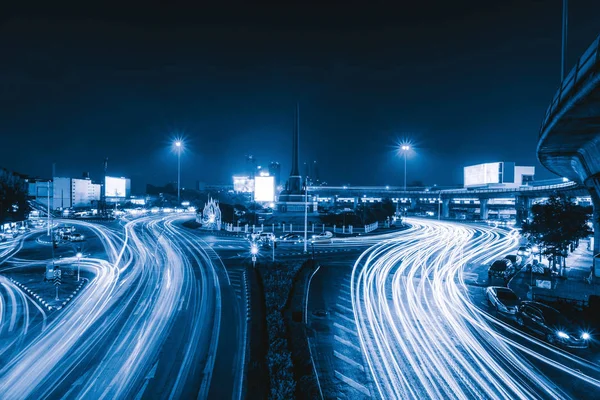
<point x="178" y="148"/>
<point x="405" y="149"/>
<point x="254" y="252"/>
<point x="78" y="255"/>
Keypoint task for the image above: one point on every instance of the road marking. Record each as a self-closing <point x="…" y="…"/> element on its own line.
<point x="342" y="327"/>
<point x="344" y="308"/>
<point x="470" y="276"/>
<point x="346" y="286"/>
<point x="337" y="314"/>
<point x="150" y="375"/>
<point x="353" y="383"/>
<point x="345" y="291"/>
<point x="345" y="299"/>
<point x="348" y="360"/>
<point x="346" y="342"/>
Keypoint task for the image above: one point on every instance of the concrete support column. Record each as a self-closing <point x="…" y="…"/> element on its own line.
<point x="483" y="208"/>
<point x="523" y="208"/>
<point x="445" y="208"/>
<point x="594" y="188"/>
<point x="413" y="203"/>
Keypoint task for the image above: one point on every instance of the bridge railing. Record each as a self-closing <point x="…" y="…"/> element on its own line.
<point x="580" y="71"/>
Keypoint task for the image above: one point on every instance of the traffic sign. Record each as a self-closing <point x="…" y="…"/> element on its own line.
<point x="57" y="277"/>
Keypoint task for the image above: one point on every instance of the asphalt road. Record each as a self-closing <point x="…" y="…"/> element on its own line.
<point x="417" y="324"/>
<point x="157" y="319"/>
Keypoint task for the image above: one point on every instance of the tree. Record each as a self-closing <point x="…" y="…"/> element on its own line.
<point x="556" y="225"/>
<point x="13" y="196"/>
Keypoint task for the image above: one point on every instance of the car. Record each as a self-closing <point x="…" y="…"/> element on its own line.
<point x="322" y="236"/>
<point x="552" y="325"/>
<point x="76" y="237"/>
<point x="266" y="237"/>
<point x="282" y="237"/>
<point x="501" y="269"/>
<point x="515" y="259"/>
<point x="502" y="299"/>
<point x="524" y="251"/>
<point x="292" y="239"/>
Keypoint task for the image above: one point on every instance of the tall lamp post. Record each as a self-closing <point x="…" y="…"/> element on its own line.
<point x="178" y="148"/>
<point x="405" y="148"/>
<point x="253" y="252"/>
<point x="305" y="217"/>
<point x="78" y="255"/>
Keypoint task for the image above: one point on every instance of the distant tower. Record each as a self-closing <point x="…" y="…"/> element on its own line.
<point x="295" y="180"/>
<point x="292" y="197"/>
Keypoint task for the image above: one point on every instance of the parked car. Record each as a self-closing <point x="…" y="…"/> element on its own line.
<point x="501" y="269"/>
<point x="515" y="259"/>
<point x="524" y="252"/>
<point x="552" y="325"/>
<point x="502" y="299"/>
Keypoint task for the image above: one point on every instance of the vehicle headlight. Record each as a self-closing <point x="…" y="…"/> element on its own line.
<point x="562" y="335"/>
<point x="585" y="336"/>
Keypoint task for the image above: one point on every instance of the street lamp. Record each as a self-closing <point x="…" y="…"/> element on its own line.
<point x="78" y="255"/>
<point x="254" y="252"/>
<point x="178" y="148"/>
<point x="405" y="149"/>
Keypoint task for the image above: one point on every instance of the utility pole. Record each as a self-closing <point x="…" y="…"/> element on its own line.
<point x="565" y="18"/>
<point x="305" y="216"/>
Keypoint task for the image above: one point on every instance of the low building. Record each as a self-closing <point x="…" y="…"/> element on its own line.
<point x="497" y="175"/>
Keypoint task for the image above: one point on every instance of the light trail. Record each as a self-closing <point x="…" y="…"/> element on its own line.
<point x="422" y="336"/>
<point x="107" y="341"/>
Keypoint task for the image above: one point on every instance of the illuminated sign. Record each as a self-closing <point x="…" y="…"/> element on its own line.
<point x="482" y="174"/>
<point x="264" y="188"/>
<point x="243" y="184"/>
<point x="115" y="187"/>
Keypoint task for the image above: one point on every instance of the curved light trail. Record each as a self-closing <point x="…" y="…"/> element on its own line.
<point x="423" y="337"/>
<point x="109" y="341"/>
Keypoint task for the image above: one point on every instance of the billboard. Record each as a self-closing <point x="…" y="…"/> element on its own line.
<point x="482" y="174"/>
<point x="243" y="184"/>
<point x="115" y="187"/>
<point x="264" y="188"/>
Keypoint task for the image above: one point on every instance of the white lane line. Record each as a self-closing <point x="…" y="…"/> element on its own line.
<point x="347" y="319"/>
<point x="347" y="300"/>
<point x="346" y="292"/>
<point x="342" y="327"/>
<point x="348" y="360"/>
<point x="346" y="342"/>
<point x="353" y="383"/>
<point x="346" y="286"/>
<point x="344" y="308"/>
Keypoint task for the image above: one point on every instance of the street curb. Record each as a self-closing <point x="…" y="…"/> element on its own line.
<point x="43" y="302"/>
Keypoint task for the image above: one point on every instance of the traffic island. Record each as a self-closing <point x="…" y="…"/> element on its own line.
<point x="44" y="292"/>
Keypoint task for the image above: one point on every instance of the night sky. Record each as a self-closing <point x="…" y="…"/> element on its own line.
<point x="467" y="82"/>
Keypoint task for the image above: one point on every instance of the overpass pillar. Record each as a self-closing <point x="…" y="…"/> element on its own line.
<point x="413" y="203"/>
<point x="445" y="208"/>
<point x="523" y="208"/>
<point x="483" y="208"/>
<point x="593" y="186"/>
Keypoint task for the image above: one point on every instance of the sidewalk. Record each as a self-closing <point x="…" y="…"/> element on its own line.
<point x="574" y="287"/>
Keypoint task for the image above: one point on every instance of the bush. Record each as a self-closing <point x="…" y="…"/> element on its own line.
<point x="277" y="282"/>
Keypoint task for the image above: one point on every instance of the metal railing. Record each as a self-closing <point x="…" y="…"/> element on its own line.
<point x="582" y="69"/>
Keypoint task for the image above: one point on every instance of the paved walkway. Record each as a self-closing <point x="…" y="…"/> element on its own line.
<point x="574" y="287"/>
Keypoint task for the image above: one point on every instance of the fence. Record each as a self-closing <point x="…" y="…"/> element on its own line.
<point x="371" y="227"/>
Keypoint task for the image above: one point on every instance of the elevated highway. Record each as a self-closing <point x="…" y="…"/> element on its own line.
<point x="569" y="138"/>
<point x="447" y="199"/>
